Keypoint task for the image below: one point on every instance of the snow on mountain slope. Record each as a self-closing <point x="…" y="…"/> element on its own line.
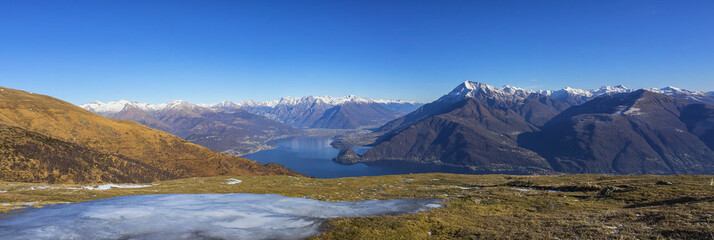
<point x="572" y="96"/>
<point x="694" y="96"/>
<point x="292" y="101"/>
<point x="304" y="112"/>
<point x="470" y="89"/>
<point x="329" y="112"/>
<point x="610" y="90"/>
<point x="578" y="96"/>
<point x="115" y="107"/>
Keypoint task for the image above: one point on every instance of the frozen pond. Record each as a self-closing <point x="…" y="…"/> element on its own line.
<point x="193" y="216"/>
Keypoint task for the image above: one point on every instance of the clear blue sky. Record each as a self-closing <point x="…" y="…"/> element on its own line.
<point x="208" y="51"/>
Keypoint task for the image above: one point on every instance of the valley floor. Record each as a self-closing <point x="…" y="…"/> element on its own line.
<point x="477" y="206"/>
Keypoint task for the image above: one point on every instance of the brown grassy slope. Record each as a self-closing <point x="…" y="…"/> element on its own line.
<point x="61" y="120"/>
<point x="27" y="156"/>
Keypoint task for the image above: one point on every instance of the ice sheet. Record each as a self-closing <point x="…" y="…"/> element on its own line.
<point x="193" y="216"/>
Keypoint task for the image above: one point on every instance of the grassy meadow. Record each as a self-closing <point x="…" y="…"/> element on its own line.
<point x="476" y="206"/>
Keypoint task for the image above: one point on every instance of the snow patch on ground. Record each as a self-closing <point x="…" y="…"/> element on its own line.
<point x="233" y="181"/>
<point x="94" y="187"/>
<point x="633" y="111"/>
<point x="194" y="216"/>
<point x="110" y="186"/>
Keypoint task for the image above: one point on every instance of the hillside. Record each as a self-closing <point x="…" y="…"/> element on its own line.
<point x="167" y="153"/>
<point x="27" y="156"/>
<point x="469" y="134"/>
<point x="641" y="132"/>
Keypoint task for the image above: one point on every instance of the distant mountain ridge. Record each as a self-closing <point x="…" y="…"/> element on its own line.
<point x="574" y="96"/>
<point x="118" y="106"/>
<point x="349" y="112"/>
<point x="231" y="131"/>
<point x="292" y="101"/>
<point x="113" y="107"/>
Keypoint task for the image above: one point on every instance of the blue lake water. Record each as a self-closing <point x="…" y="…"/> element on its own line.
<point x="313" y="156"/>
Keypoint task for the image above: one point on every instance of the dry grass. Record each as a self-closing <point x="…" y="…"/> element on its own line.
<point x="63" y="121"/>
<point x="477" y="206"/>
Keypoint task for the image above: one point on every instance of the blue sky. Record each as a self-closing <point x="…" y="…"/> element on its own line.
<point x="208" y="51"/>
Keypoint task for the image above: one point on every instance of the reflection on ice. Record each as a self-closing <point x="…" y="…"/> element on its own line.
<point x="193" y="216"/>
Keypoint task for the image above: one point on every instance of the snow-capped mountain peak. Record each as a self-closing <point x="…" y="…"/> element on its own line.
<point x="567" y="93"/>
<point x="470" y="89"/>
<point x="222" y="105"/>
<point x="578" y="96"/>
<point x="118" y="106"/>
<point x="176" y="105"/>
<point x="575" y="96"/>
<point x="572" y="96"/>
<point x="111" y="107"/>
<point x="694" y="96"/>
<point x="576" y="91"/>
<point x="675" y="90"/>
<point x="518" y="91"/>
<point x="292" y="101"/>
<point x="610" y="90"/>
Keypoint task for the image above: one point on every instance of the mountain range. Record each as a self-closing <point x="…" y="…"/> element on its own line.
<point x="45" y="139"/>
<point x="246" y="127"/>
<point x="231" y="131"/>
<point x="511" y="130"/>
<point x="349" y="112"/>
<point x="574" y="96"/>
